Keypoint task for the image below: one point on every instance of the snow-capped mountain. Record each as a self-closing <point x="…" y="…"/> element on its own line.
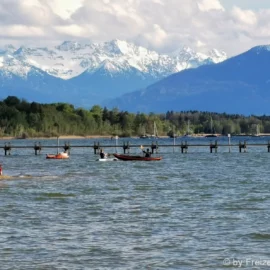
<point x="70" y="59"/>
<point x="93" y="71"/>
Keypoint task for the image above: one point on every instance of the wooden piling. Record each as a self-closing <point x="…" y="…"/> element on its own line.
<point x="96" y="147"/>
<point x="154" y="146"/>
<point x="242" y="146"/>
<point x="184" y="147"/>
<point x="7" y="148"/>
<point x="37" y="148"/>
<point x="213" y="146"/>
<point x="126" y="147"/>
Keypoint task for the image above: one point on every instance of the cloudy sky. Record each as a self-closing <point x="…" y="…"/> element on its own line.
<point x="163" y="25"/>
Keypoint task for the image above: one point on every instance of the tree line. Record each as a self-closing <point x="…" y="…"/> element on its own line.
<point x="23" y="119"/>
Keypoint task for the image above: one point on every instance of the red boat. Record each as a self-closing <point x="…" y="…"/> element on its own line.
<point x="61" y="155"/>
<point x="128" y="157"/>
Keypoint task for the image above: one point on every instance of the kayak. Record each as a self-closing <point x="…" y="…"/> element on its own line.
<point x="107" y="159"/>
<point x="128" y="157"/>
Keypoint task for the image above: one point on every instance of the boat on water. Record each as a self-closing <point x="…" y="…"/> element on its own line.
<point x="155" y="133"/>
<point x="147" y="136"/>
<point x="211" y="136"/>
<point x="188" y="133"/>
<point x="61" y="155"/>
<point x="107" y="159"/>
<point x="129" y="157"/>
<point x="257" y="134"/>
<point x="58" y="155"/>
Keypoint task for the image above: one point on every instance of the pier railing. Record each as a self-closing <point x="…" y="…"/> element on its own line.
<point x="183" y="146"/>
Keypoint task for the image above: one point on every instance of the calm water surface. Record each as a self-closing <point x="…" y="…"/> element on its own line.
<point x="188" y="211"/>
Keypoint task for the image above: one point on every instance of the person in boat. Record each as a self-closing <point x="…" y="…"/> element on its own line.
<point x="102" y="154"/>
<point x="147" y="153"/>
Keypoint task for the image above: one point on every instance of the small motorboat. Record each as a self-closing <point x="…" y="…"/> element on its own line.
<point x="62" y="155"/>
<point x="144" y="136"/>
<point x="211" y="136"/>
<point x="129" y="157"/>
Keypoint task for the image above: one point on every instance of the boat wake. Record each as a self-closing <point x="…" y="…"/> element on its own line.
<point x="12" y="177"/>
<point x="28" y="176"/>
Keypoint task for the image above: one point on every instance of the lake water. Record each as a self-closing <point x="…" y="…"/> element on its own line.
<point x="188" y="211"/>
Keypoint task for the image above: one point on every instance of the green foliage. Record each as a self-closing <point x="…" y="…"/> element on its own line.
<point x="23" y="119"/>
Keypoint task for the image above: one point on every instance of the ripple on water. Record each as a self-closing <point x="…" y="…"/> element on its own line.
<point x="184" y="212"/>
<point x="53" y="195"/>
<point x="260" y="236"/>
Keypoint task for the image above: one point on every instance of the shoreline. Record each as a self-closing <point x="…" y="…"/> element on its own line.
<point x="55" y="138"/>
<point x="71" y="137"/>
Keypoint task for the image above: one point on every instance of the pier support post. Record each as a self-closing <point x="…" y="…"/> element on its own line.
<point x="96" y="147"/>
<point x="154" y="146"/>
<point x="184" y="147"/>
<point x="126" y="147"/>
<point x="7" y="148"/>
<point x="213" y="146"/>
<point x="242" y="146"/>
<point x="37" y="148"/>
<point x="268" y="146"/>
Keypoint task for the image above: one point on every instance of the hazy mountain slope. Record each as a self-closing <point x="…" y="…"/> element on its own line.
<point x="237" y="85"/>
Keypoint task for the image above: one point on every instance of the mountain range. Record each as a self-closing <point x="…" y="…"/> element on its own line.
<point x="88" y="74"/>
<point x="240" y="84"/>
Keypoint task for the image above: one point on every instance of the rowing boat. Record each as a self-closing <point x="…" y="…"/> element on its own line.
<point x="128" y="157"/>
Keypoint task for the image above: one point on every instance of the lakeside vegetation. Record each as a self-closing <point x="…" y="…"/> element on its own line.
<point x="22" y="119"/>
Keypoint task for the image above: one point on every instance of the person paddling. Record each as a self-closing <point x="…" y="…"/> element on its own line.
<point x="147" y="153"/>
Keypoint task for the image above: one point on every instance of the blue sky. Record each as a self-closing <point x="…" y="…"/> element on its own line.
<point x="246" y="4"/>
<point x="232" y="26"/>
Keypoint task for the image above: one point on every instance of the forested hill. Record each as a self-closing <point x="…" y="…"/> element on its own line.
<point x="22" y="119"/>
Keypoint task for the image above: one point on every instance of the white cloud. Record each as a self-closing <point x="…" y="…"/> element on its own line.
<point x="207" y="5"/>
<point x="162" y="25"/>
<point x="64" y="8"/>
<point x="22" y="31"/>
<point x="244" y="16"/>
<point x="74" y="30"/>
<point x="156" y="36"/>
<point x="200" y="44"/>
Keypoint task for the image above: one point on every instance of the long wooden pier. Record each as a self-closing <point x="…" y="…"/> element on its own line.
<point x="126" y="146"/>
